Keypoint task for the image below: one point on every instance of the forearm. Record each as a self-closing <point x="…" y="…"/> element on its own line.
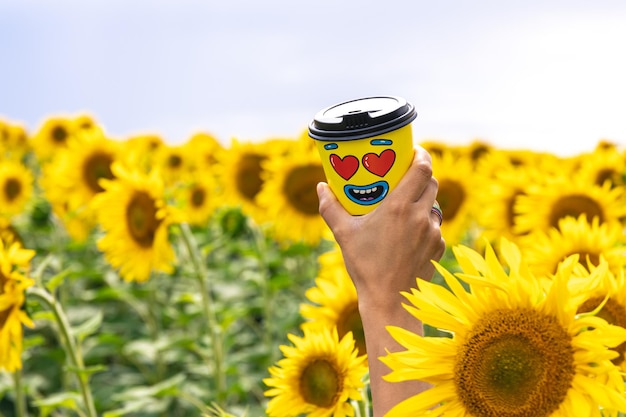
<point x="378" y="340"/>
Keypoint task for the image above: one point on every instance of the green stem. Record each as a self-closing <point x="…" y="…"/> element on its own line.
<point x="207" y="308"/>
<point x="20" y="400"/>
<point x="267" y="297"/>
<point x="153" y="328"/>
<point x="70" y="346"/>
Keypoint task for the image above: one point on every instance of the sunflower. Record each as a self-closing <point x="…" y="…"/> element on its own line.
<point x="517" y="348"/>
<point x="455" y="174"/>
<point x="567" y="195"/>
<point x="203" y="147"/>
<point x="13" y="140"/>
<point x="135" y="220"/>
<point x="16" y="187"/>
<point x="13" y="261"/>
<point x="174" y="163"/>
<point x="196" y="199"/>
<point x="139" y="151"/>
<point x="476" y="150"/>
<point x="334" y="300"/>
<point x="56" y="131"/>
<point x="71" y="179"/>
<point x="603" y="164"/>
<point x="610" y="298"/>
<point x="541" y="164"/>
<point x="86" y="123"/>
<point x="605" y="144"/>
<point x="239" y="170"/>
<point x="499" y="184"/>
<point x="435" y="147"/>
<point x="288" y="194"/>
<point x="319" y="376"/>
<point x="543" y="251"/>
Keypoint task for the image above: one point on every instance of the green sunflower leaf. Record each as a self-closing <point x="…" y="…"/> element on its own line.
<point x="53" y="402"/>
<point x="88" y="327"/>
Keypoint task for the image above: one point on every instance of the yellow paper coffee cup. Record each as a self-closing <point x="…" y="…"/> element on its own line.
<point x="366" y="146"/>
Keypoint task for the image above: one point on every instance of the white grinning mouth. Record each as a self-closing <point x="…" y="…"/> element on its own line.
<point x="367" y="194"/>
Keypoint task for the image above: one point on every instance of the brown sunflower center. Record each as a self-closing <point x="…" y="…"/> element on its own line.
<point x="248" y="176"/>
<point x="320" y="383"/>
<point x="510" y="208"/>
<point x="434" y="149"/>
<point x="613" y="176"/>
<point x="97" y="166"/>
<point x="174" y="161"/>
<point x="141" y="219"/>
<point x="479" y="151"/>
<point x="198" y="197"/>
<point x="588" y="258"/>
<point x="350" y="321"/>
<point x="515" y="363"/>
<point x="575" y="205"/>
<point x="299" y="188"/>
<point x="614" y="313"/>
<point x="12" y="188"/>
<point x="451" y="196"/>
<point x="59" y="134"/>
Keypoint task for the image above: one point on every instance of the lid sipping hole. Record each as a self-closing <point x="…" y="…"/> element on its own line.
<point x="357" y="120"/>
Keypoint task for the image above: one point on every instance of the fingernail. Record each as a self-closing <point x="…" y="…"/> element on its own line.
<point x="320" y="189"/>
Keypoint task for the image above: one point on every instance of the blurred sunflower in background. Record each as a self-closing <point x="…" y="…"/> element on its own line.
<point x="476" y="150"/>
<point x="498" y="185"/>
<point x="14" y="142"/>
<point x="435" y="147"/>
<point x="174" y="162"/>
<point x="567" y="194"/>
<point x="71" y="179"/>
<point x="138" y="151"/>
<point x="318" y="376"/>
<point x="608" y="300"/>
<point x="333" y="300"/>
<point x="603" y="164"/>
<point x="203" y="148"/>
<point x="55" y="132"/>
<point x="240" y="173"/>
<point x="16" y="187"/>
<point x="135" y="219"/>
<point x="591" y="241"/>
<point x="14" y="262"/>
<point x="516" y="347"/>
<point x="288" y="194"/>
<point x="456" y="176"/>
<point x="196" y="200"/>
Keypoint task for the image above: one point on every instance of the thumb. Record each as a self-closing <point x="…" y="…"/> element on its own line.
<point x="329" y="207"/>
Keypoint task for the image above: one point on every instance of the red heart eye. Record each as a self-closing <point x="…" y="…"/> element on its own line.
<point x="346" y="167"/>
<point x="379" y="165"/>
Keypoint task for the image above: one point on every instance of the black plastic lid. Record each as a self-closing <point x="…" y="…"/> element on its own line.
<point x="361" y="118"/>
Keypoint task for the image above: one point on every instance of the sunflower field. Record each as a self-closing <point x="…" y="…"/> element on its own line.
<point x="141" y="278"/>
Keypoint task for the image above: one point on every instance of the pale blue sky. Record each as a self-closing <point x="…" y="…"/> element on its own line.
<point x="537" y="74"/>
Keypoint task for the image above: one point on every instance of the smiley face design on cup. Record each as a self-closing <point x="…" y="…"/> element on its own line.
<point x="362" y="172"/>
<point x="366" y="146"/>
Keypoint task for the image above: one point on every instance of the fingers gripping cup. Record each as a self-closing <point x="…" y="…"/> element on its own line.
<point x="366" y="146"/>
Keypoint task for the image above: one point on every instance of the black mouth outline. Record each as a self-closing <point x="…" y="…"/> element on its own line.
<point x="366" y="195"/>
